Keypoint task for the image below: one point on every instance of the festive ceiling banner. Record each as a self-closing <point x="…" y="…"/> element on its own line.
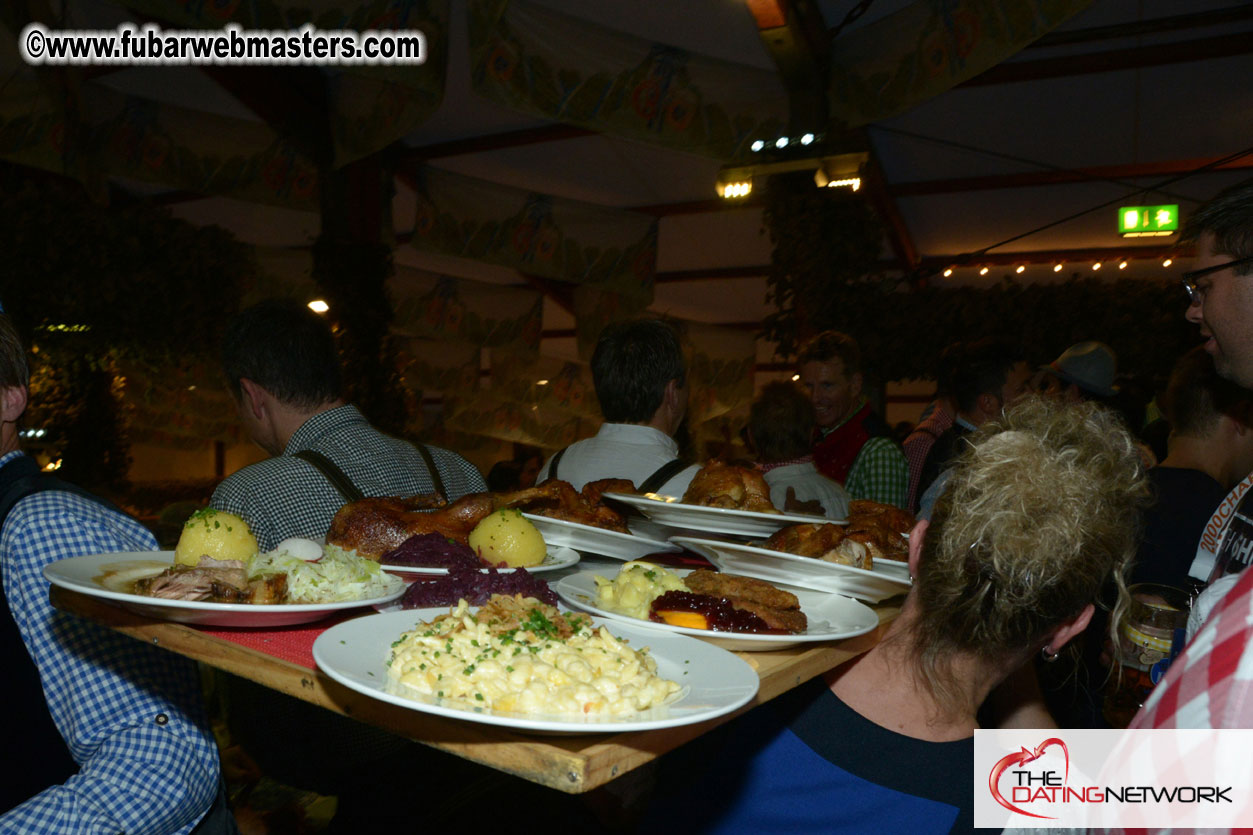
<point x="144" y="140"/>
<point x="493" y="416"/>
<point x="370" y="106"/>
<point x="489" y="315"/>
<point x="550" y="383"/>
<point x="32" y="126"/>
<point x="535" y="233"/>
<point x="720" y="370"/>
<point x="282" y="273"/>
<point x="443" y="366"/>
<point x="539" y="61"/>
<point x="928" y="47"/>
<point x="595" y="307"/>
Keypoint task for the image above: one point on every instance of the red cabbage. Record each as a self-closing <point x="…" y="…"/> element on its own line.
<point x="476" y="586"/>
<point x="432" y="550"/>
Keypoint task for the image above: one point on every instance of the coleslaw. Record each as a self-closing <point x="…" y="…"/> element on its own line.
<point x="337" y="576"/>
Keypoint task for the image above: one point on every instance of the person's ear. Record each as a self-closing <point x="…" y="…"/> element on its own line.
<point x="855" y="383"/>
<point x="1068" y="630"/>
<point x="12" y="403"/>
<point x="915" y="545"/>
<point x="253" y="396"/>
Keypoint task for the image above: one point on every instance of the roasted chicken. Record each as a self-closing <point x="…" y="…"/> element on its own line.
<point x="874" y="532"/>
<point x="374" y="526"/>
<point x="729" y="486"/>
<point x="586" y="506"/>
<point x="875" y="514"/>
<point x="822" y="541"/>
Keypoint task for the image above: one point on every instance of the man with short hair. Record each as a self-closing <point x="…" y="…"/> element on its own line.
<point x="1210" y="448"/>
<point x="780" y="426"/>
<point x="935" y="420"/>
<point x="988" y="377"/>
<point x="641" y="383"/>
<point x="856" y="447"/>
<point x="1206" y="686"/>
<point x="284" y="373"/>
<point x="103" y="733"/>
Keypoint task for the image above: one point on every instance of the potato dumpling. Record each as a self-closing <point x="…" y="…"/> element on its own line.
<point x="217" y="534"/>
<point x="507" y="537"/>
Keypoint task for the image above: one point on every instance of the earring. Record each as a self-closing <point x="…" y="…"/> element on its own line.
<point x="1048" y="655"/>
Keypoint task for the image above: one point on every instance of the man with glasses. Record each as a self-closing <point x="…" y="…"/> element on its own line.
<point x="1208" y="686"/>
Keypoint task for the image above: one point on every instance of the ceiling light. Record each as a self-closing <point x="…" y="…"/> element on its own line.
<point x="983" y="271"/>
<point x="319" y="306"/>
<point x="733" y="190"/>
<point x="1057" y="268"/>
<point x="1122" y="265"/>
<point x="735" y="182"/>
<point x="1021" y="269"/>
<point x="948" y="272"/>
<point x="781" y="142"/>
<point x="758" y="145"/>
<point x="1167" y="262"/>
<point x="796" y="378"/>
<point x="807" y="139"/>
<point x="541" y="382"/>
<point x="1096" y="265"/>
<point x="838" y="170"/>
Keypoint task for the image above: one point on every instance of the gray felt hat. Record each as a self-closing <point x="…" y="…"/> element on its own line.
<point x="1089" y="365"/>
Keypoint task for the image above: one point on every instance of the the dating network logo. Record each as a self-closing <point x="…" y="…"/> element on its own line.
<point x="1021" y="783"/>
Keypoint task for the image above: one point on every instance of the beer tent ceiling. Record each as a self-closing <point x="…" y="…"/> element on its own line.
<point x="1118" y="98"/>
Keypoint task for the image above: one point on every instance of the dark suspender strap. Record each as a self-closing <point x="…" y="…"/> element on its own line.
<point x="430" y="465"/>
<point x="333" y="474"/>
<point x="667" y="472"/>
<point x="552" y="465"/>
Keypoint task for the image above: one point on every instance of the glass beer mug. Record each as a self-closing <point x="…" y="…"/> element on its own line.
<point x="1150" y="634"/>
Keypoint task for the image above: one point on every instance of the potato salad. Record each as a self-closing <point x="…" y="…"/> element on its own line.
<point x="519" y="655"/>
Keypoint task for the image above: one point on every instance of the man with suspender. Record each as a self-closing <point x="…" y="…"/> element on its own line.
<point x="102" y="733"/>
<point x="284" y="372"/>
<point x="641" y="383"/>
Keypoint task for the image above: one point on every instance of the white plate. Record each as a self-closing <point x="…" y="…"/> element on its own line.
<point x="831" y="617"/>
<point x="83" y="574"/>
<point x="713" y="681"/>
<point x="721" y="520"/>
<point x="803" y="572"/>
<point x="619" y="546"/>
<point x="555" y="559"/>
<point x="896" y="568"/>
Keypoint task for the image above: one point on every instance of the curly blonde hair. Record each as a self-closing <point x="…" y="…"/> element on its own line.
<point x="1038" y="514"/>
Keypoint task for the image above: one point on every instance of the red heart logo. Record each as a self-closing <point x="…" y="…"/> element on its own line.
<point x="1023" y="757"/>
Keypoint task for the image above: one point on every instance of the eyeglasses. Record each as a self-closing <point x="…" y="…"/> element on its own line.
<point x="1189" y="278"/>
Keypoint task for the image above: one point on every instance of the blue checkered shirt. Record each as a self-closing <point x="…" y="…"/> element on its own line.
<point x="286" y="496"/>
<point x="131" y="714"/>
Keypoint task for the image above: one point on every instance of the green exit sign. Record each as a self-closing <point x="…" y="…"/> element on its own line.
<point x="1141" y="221"/>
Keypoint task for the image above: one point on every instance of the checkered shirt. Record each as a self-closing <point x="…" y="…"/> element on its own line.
<point x="919" y="443"/>
<point x="879" y="473"/>
<point x="1210" y="685"/>
<point x="131" y="714"/>
<point x="286" y="496"/>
